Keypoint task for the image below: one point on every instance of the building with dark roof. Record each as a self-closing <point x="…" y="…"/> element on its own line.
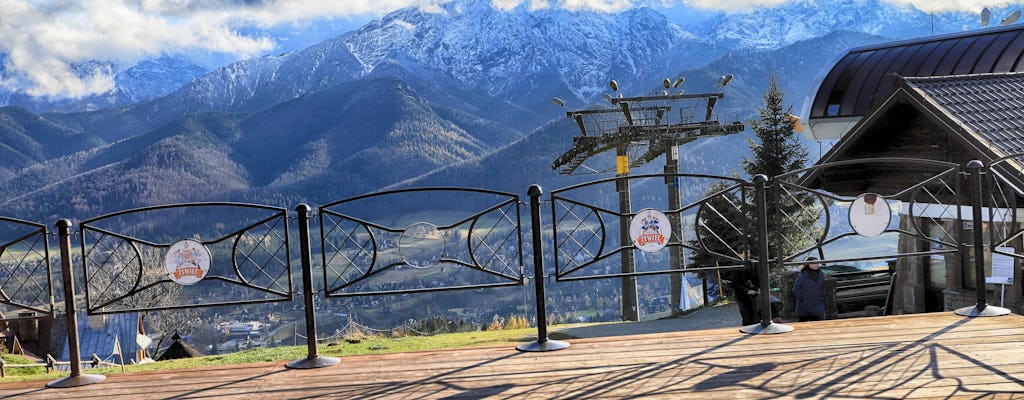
<point x="953" y="119"/>
<point x="981" y="117"/>
<point x="865" y="77"/>
<point x="952" y="98"/>
<point x="178" y="349"/>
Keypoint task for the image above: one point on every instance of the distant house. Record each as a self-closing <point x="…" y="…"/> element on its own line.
<point x="951" y="98"/>
<point x="178" y="349"/>
<point x="97" y="335"/>
<point x="27" y="336"/>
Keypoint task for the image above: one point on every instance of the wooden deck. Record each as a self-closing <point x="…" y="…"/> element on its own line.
<point x="915" y="356"/>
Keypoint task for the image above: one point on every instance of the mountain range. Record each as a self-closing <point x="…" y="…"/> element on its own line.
<point x="459" y="97"/>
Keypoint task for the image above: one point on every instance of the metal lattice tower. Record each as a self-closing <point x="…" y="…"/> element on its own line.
<point x="639" y="130"/>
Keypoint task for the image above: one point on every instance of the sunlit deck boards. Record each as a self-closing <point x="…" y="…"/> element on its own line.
<point x="915" y="356"/>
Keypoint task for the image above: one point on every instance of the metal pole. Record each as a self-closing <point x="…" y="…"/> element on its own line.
<point x="979" y="245"/>
<point x="312" y="360"/>
<point x="630" y="299"/>
<point x="981" y="307"/>
<point x="764" y="281"/>
<point x="674" y="253"/>
<point x="542" y="343"/>
<point x="74" y="351"/>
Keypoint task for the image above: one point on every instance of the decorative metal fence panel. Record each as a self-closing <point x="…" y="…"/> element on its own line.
<point x="711" y="227"/>
<point x="186" y="255"/>
<point x="850" y="211"/>
<point x="1004" y="187"/>
<point x="421" y="240"/>
<point x="26" y="283"/>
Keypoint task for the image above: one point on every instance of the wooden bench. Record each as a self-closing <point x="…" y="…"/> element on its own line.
<point x="863" y="286"/>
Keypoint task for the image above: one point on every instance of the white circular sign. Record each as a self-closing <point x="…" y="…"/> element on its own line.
<point x="650" y="230"/>
<point x="187" y="261"/>
<point x="421" y="245"/>
<point x="870" y="215"/>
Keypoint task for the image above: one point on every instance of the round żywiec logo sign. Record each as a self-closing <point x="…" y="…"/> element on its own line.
<point x="187" y="261"/>
<point x="650" y="230"/>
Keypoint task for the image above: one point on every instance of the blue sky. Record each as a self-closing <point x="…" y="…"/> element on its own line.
<point x="41" y="37"/>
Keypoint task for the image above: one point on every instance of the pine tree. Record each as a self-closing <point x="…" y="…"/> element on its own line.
<point x="777" y="150"/>
<point x="719" y="226"/>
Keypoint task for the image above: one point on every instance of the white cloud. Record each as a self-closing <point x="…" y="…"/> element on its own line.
<point x="734" y="5"/>
<point x="507" y="4"/>
<point x="923" y="5"/>
<point x="539" y="5"/>
<point x="597" y="5"/>
<point x="42" y="38"/>
<point x="947" y="5"/>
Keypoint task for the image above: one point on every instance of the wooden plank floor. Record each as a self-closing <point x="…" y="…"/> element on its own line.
<point x="914" y="356"/>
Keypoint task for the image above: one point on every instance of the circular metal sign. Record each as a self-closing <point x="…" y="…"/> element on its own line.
<point x="421" y="245"/>
<point x="650" y="230"/>
<point x="187" y="261"/>
<point x="869" y="215"/>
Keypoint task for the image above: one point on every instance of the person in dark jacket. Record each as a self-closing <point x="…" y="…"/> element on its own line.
<point x="744" y="289"/>
<point x="809" y="290"/>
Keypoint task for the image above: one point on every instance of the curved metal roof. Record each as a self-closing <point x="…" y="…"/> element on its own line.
<point x="865" y="76"/>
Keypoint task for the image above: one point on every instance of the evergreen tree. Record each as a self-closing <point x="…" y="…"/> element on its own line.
<point x="777" y="150"/>
<point x="720" y="227"/>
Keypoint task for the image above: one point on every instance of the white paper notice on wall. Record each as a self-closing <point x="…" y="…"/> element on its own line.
<point x="1002" y="267"/>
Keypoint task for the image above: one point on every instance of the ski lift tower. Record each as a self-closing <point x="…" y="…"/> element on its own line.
<point x="639" y="130"/>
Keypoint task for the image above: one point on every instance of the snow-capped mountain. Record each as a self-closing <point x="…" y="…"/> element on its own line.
<point x="501" y="51"/>
<point x="146" y="80"/>
<point x="473" y="48"/>
<point x="258" y="83"/>
<point x="155" y="77"/>
<point x="782" y="25"/>
<point x="519" y="54"/>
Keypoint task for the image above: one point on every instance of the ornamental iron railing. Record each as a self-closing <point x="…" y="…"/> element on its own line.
<point x="841" y="212"/>
<point x="185" y="255"/>
<point x="421" y="240"/>
<point x="26" y="283"/>
<point x="712" y="226"/>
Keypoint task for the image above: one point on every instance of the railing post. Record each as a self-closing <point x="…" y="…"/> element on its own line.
<point x="74" y="351"/>
<point x="766" y="325"/>
<point x="675" y="253"/>
<point x="981" y="307"/>
<point x="312" y="360"/>
<point x="542" y="343"/>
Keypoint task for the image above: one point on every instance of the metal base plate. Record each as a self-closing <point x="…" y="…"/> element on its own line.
<point x="988" y="311"/>
<point x="772" y="328"/>
<point x="547" y="345"/>
<point x="75" y="381"/>
<point x="315" y="362"/>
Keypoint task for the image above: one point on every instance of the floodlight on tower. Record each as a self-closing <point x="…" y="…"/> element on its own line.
<point x="724" y="80"/>
<point x="1013" y="17"/>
